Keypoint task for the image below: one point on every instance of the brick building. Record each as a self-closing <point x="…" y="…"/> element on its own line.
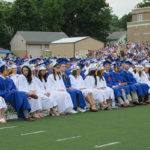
<point x="139" y="29"/>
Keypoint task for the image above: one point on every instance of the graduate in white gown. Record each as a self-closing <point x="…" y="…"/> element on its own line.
<point x="143" y="75"/>
<point x="13" y="75"/>
<point x="91" y="83"/>
<point x="48" y="99"/>
<point x="3" y="108"/>
<point x="77" y="82"/>
<point x="26" y="83"/>
<point x="56" y="86"/>
<point x="102" y="85"/>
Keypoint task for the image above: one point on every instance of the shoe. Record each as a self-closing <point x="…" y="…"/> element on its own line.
<point x="3" y="121"/>
<point x="81" y="109"/>
<point x="72" y="112"/>
<point x="115" y="107"/>
<point x="28" y="119"/>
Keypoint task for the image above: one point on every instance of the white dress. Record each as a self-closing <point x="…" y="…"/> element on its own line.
<point x="15" y="77"/>
<point x="62" y="98"/>
<point x="98" y="95"/>
<point x="23" y="85"/>
<point x="145" y="78"/>
<point x="47" y="102"/>
<point x="78" y="83"/>
<point x="2" y="103"/>
<point x="108" y="92"/>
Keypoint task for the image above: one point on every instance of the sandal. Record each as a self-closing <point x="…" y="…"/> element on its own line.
<point x="36" y="116"/>
<point x="93" y="109"/>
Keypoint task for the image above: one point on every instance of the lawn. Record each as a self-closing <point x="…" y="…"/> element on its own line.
<point x="129" y="127"/>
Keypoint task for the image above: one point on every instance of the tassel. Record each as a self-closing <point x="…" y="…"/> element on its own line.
<point x="38" y="72"/>
<point x="96" y="72"/>
<point x="5" y="71"/>
<point x="10" y="70"/>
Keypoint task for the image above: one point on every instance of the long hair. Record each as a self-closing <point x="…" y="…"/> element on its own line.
<point x="92" y="73"/>
<point x="149" y="72"/>
<point x="100" y="75"/>
<point x="29" y="76"/>
<point x="74" y="73"/>
<point x="54" y="72"/>
<point x="42" y="77"/>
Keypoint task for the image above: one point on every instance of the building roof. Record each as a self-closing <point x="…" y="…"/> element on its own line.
<point x="41" y="37"/>
<point x="116" y="35"/>
<point x="69" y="40"/>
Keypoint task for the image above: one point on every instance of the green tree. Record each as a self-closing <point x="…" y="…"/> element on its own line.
<point x="114" y="25"/>
<point x="37" y="15"/>
<point x="145" y="3"/>
<point x="123" y="21"/>
<point x="5" y="30"/>
<point x="87" y="17"/>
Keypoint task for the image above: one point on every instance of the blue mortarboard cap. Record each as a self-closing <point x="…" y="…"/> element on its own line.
<point x="116" y="65"/>
<point x="122" y="62"/>
<point x="62" y="61"/>
<point x="81" y="65"/>
<point x="106" y="63"/>
<point x="73" y="59"/>
<point x="2" y="66"/>
<point x="47" y="62"/>
<point x="128" y="63"/>
<point x="110" y="58"/>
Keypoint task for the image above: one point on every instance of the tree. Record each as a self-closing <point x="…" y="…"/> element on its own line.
<point x="123" y="21"/>
<point x="145" y="3"/>
<point x="5" y="32"/>
<point x="87" y="17"/>
<point x="37" y="15"/>
<point x="114" y="25"/>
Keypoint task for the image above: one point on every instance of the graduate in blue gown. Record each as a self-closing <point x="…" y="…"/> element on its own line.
<point x="140" y="88"/>
<point x="76" y="95"/>
<point x="117" y="91"/>
<point x="17" y="99"/>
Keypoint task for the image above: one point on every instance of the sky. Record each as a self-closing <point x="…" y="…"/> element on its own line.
<point x="120" y="7"/>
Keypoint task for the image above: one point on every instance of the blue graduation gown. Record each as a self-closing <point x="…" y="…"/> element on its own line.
<point x="74" y="93"/>
<point x="17" y="99"/>
<point x="141" y="88"/>
<point x="108" y="78"/>
<point x="117" y="79"/>
<point x="68" y="72"/>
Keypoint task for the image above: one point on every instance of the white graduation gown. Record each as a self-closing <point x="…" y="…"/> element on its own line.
<point x="23" y="85"/>
<point x="2" y="103"/>
<point x="15" y="77"/>
<point x="78" y="83"/>
<point x="108" y="92"/>
<point x="47" y="102"/>
<point x="62" y="98"/>
<point x="98" y="95"/>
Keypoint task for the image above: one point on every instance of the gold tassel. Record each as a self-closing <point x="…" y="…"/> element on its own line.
<point x="5" y="71"/>
<point x="116" y="69"/>
<point x="38" y="72"/>
<point x="96" y="72"/>
<point x="10" y="70"/>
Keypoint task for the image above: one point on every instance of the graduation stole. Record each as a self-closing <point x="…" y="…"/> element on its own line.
<point x="65" y="77"/>
<point x="5" y="71"/>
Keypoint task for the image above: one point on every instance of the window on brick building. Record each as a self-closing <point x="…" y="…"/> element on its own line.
<point x="139" y="17"/>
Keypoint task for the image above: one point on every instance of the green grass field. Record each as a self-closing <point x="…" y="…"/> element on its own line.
<point x="130" y="127"/>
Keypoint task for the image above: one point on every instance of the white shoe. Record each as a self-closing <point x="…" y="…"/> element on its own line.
<point x="81" y="110"/>
<point x="2" y="120"/>
<point x="72" y="112"/>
